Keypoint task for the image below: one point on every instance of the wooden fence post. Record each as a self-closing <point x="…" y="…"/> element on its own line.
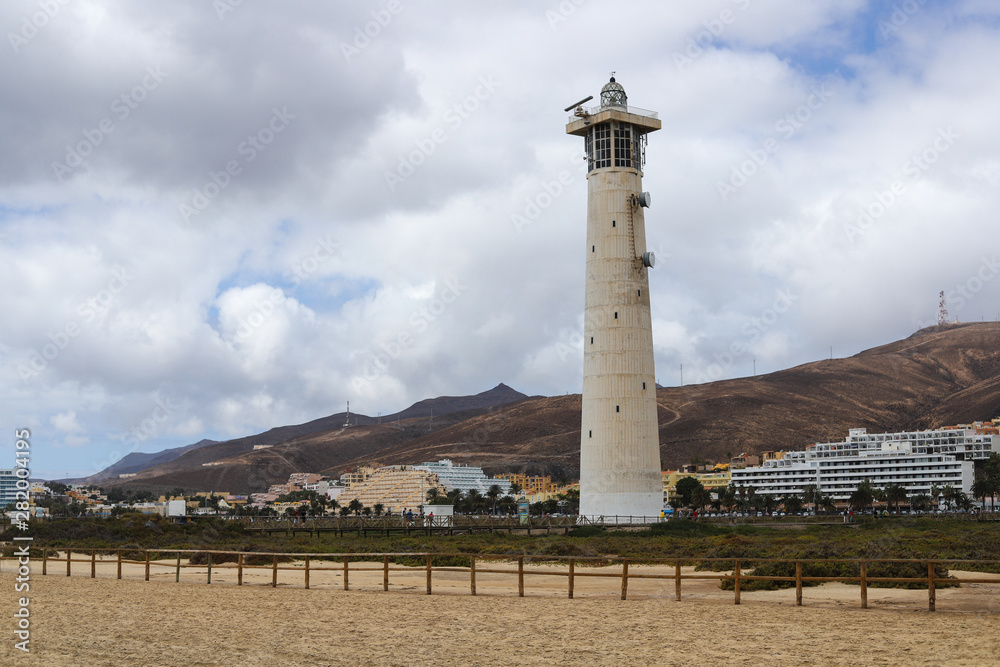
<point x="428" y="574"/>
<point x="119" y="563"/>
<point x="736" y="581"/>
<point x="677" y="580"/>
<point x="274" y="572"/>
<point x="472" y="574"/>
<point x="798" y="583"/>
<point x="177" y="576"/>
<point x="347" y="560"/>
<point x="45" y="561"/>
<point x="624" y="579"/>
<point x="864" y="585"/>
<point x="93" y="563"/>
<point x="147" y="566"/>
<point x="385" y="573"/>
<point x="572" y="563"/>
<point x="209" y="580"/>
<point x="520" y="576"/>
<point x="69" y="553"/>
<point x="931" y="593"/>
<point x="239" y="570"/>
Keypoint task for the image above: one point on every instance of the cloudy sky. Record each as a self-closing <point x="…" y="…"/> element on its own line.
<point x="219" y="217"/>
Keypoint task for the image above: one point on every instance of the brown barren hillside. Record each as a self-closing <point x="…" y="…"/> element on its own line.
<point x="237" y="467"/>
<point x="938" y="376"/>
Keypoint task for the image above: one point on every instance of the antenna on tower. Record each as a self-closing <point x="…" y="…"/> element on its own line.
<point x="579" y="104"/>
<point x="347" y="422"/>
<point x="942" y="311"/>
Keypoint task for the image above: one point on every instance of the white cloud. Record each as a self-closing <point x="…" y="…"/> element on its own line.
<point x="66" y="421"/>
<point x="304" y="280"/>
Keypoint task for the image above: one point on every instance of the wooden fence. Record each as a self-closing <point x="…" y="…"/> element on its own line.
<point x="346" y="563"/>
<point x="459" y="523"/>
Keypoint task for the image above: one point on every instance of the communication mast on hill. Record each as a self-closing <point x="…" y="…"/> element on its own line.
<point x="942" y="311"/>
<point x="347" y="422"/>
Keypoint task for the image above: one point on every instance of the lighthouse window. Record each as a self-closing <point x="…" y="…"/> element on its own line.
<point x="591" y="340"/>
<point x="613" y="223"/>
<point x="593" y="248"/>
<point x="618" y="408"/>
<point x="623" y="146"/>
<point x="616" y="314"/>
<point x="602" y="146"/>
<point x="644" y="386"/>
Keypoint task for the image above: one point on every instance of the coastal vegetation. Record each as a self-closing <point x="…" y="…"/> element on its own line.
<point x="937" y="537"/>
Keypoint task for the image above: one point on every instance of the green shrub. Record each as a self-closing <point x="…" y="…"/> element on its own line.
<point x="837" y="569"/>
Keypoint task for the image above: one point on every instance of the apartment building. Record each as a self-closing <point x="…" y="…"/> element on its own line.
<point x="464" y="478"/>
<point x="836" y="470"/>
<point x="530" y="484"/>
<point x="394" y="487"/>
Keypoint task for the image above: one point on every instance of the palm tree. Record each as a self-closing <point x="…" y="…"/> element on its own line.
<point x="728" y="497"/>
<point x="920" y="502"/>
<point x="793" y="504"/>
<point x="863" y="496"/>
<point x="962" y="501"/>
<point x="493" y="493"/>
<point x="700" y="497"/>
<point x="878" y="495"/>
<point x="768" y="502"/>
<point x="936" y="494"/>
<point x="986" y="484"/>
<point x="508" y="505"/>
<point x="355" y="506"/>
<point x="811" y="495"/>
<point x="433" y="494"/>
<point x="950" y="494"/>
<point x="827" y="503"/>
<point x="474" y="500"/>
<point x="379" y="508"/>
<point x="894" y="494"/>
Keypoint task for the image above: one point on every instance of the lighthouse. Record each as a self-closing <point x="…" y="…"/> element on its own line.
<point x="619" y="438"/>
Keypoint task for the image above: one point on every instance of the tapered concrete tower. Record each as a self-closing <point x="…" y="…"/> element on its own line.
<point x="619" y="443"/>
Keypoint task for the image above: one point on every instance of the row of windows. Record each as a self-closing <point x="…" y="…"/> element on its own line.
<point x="606" y="147"/>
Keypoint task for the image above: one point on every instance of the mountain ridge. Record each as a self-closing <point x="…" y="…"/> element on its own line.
<point x="938" y="376"/>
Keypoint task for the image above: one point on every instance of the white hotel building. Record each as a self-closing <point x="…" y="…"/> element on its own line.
<point x="915" y="460"/>
<point x="464" y="478"/>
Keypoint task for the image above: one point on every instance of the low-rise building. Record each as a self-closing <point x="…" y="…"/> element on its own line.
<point x="530" y="484"/>
<point x="352" y="477"/>
<point x="714" y="480"/>
<point x="551" y="494"/>
<point x="304" y="479"/>
<point x="744" y="460"/>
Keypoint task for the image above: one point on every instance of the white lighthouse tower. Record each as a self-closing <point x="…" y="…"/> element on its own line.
<point x="619" y="440"/>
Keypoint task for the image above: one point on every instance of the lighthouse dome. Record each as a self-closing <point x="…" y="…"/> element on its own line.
<point x="613" y="95"/>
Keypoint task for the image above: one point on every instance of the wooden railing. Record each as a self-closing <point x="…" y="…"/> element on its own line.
<point x="736" y="570"/>
<point x="353" y="523"/>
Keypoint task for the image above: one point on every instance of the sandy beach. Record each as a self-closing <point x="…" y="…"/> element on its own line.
<point x="103" y="621"/>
